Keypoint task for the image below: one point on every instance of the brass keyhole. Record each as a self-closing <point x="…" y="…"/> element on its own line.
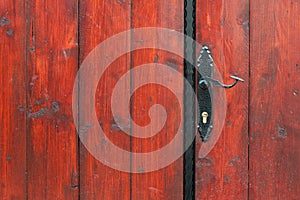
<point x="204" y="117"/>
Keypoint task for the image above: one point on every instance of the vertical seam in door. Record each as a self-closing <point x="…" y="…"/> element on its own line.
<point x="189" y="73"/>
<point x="131" y="86"/>
<point x="249" y="90"/>
<point x="78" y="66"/>
<point x="27" y="25"/>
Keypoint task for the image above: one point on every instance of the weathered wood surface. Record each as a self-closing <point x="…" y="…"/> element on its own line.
<point x="43" y="43"/>
<point x="224" y="27"/>
<point x="52" y="49"/>
<point x="97" y="22"/>
<point x="12" y="100"/>
<point x="274" y="103"/>
<point x="166" y="183"/>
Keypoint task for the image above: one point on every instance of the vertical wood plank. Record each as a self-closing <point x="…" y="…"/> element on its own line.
<point x="52" y="63"/>
<point x="166" y="183"/>
<point x="12" y="100"/>
<point x="224" y="27"/>
<point x="274" y="106"/>
<point x="100" y="20"/>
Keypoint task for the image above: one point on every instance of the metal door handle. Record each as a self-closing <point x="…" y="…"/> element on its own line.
<point x="236" y="80"/>
<point x="204" y="91"/>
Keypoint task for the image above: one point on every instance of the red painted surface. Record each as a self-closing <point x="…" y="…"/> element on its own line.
<point x="99" y="21"/>
<point x="166" y="183"/>
<point x="274" y="104"/>
<point x="42" y="44"/>
<point x="224" y="27"/>
<point x="12" y="100"/>
<point x="52" y="48"/>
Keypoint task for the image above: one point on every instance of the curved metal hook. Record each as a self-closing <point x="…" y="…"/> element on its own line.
<point x="236" y="80"/>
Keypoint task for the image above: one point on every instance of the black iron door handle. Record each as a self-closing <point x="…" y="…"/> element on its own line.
<point x="204" y="92"/>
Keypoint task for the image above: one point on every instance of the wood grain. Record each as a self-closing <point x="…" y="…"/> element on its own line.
<point x="274" y="105"/>
<point x="52" y="65"/>
<point x="166" y="183"/>
<point x="39" y="55"/>
<point x="224" y="27"/>
<point x="12" y="100"/>
<point x="99" y="21"/>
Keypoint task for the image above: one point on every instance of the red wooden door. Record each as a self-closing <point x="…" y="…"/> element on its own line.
<point x="45" y="47"/>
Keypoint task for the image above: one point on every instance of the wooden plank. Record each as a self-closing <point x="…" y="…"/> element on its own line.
<point x="12" y="100"/>
<point x="99" y="21"/>
<point x="275" y="108"/>
<point x="52" y="64"/>
<point x="224" y="27"/>
<point x="166" y="183"/>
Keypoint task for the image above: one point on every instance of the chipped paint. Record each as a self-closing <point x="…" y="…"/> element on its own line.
<point x="282" y="133"/>
<point x="4" y="20"/>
